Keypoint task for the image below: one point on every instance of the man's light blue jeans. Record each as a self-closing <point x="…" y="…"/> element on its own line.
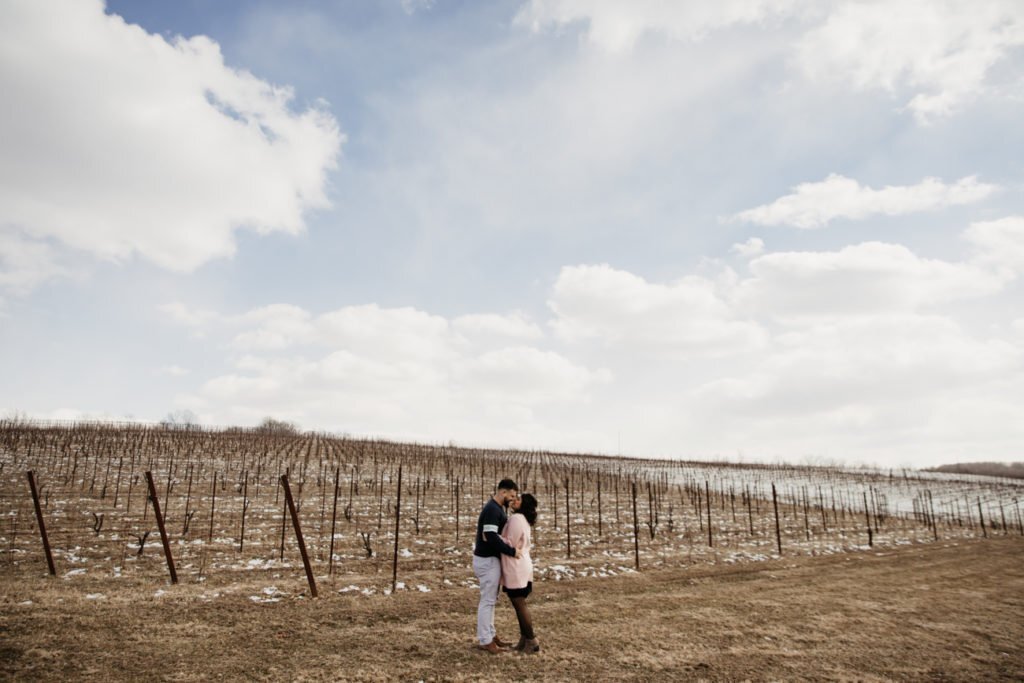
<point x="488" y="573"/>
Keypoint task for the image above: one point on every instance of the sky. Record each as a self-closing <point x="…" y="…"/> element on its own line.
<point x="755" y="230"/>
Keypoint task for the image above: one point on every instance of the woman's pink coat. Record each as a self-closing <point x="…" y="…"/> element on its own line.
<point x="517" y="573"/>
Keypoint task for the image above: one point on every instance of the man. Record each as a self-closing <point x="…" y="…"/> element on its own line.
<point x="487" y="552"/>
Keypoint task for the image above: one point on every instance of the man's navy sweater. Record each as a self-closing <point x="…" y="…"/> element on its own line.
<point x="488" y="532"/>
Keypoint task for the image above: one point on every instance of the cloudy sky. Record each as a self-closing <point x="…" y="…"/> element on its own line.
<point x="754" y="229"/>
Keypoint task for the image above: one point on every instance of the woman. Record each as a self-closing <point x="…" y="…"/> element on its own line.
<point x="517" y="573"/>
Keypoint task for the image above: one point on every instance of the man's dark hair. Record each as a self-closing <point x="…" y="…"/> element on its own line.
<point x="508" y="484"/>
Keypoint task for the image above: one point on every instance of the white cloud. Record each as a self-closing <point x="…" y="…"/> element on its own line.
<point x="846" y="354"/>
<point x="118" y="142"/>
<point x="622" y="309"/>
<point x="863" y="279"/>
<point x="813" y="205"/>
<point x="173" y="371"/>
<point x="514" y="326"/>
<point x="873" y="386"/>
<point x="752" y="247"/>
<point x="616" y="26"/>
<point x="277" y="326"/>
<point x="940" y="51"/>
<point x="999" y="242"/>
<point x="26" y="263"/>
<point x="183" y="315"/>
<point x="388" y="333"/>
<point x="391" y="370"/>
<point x="532" y="375"/>
<point x="937" y="52"/>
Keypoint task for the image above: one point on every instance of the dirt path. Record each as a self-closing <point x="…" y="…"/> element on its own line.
<point x="945" y="611"/>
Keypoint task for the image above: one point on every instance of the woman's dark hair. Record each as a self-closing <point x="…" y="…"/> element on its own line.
<point x="528" y="508"/>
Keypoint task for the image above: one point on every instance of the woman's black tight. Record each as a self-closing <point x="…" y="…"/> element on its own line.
<point x="524" y="618"/>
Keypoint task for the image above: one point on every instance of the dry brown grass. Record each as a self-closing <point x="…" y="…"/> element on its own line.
<point x="952" y="610"/>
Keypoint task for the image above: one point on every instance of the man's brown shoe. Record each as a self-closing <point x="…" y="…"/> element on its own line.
<point x="491" y="647"/>
<point x="501" y="643"/>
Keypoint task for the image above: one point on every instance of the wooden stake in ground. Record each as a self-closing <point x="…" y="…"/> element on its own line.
<point x="160" y="525"/>
<point x="284" y="515"/>
<point x="290" y="504"/>
<point x="867" y="515"/>
<point x="334" y="519"/>
<point x="636" y="531"/>
<point x="707" y="491"/>
<point x="42" y="524"/>
<point x="778" y="530"/>
<point x="245" y="508"/>
<point x="568" y="531"/>
<point x="398" y="518"/>
<point x="213" y="507"/>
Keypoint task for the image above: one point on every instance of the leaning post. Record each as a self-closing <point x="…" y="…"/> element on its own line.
<point x="42" y="524"/>
<point x="290" y="504"/>
<point x="160" y="525"/>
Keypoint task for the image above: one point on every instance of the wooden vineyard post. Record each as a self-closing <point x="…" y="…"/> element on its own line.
<point x="981" y="517"/>
<point x="935" y="525"/>
<point x="458" y="495"/>
<point x="42" y="524"/>
<point x="290" y="505"/>
<point x="750" y="514"/>
<point x="807" y="521"/>
<point x="553" y="487"/>
<point x="284" y="515"/>
<point x="245" y="508"/>
<point x="398" y="518"/>
<point x="778" y="530"/>
<point x="600" y="531"/>
<point x="636" y="531"/>
<point x="1020" y="524"/>
<point x="568" y="531"/>
<point x="188" y="502"/>
<point x="213" y="507"/>
<point x="117" y="486"/>
<point x="867" y="516"/>
<point x="707" y="492"/>
<point x="334" y="520"/>
<point x="160" y="525"/>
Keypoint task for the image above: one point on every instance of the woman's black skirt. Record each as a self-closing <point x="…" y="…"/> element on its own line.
<point x="519" y="592"/>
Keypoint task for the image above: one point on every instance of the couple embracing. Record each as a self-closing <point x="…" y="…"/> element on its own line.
<point x="501" y="559"/>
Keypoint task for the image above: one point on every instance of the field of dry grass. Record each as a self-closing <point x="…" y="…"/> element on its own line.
<point x="942" y="611"/>
<point x="882" y="574"/>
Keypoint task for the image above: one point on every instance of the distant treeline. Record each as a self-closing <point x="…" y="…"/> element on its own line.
<point x="992" y="469"/>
